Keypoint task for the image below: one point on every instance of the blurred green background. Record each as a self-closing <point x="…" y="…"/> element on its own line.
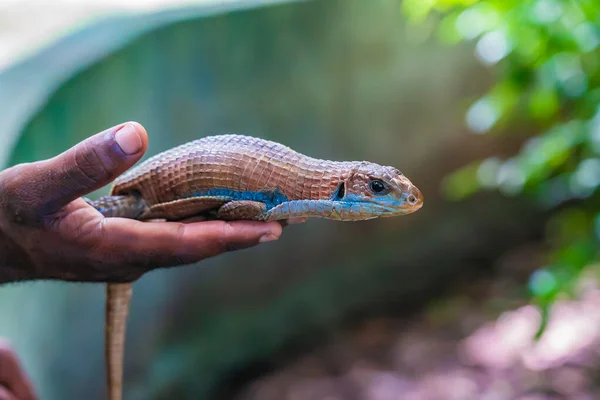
<point x="490" y="107"/>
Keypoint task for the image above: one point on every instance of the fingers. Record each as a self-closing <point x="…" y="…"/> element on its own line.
<point x="12" y="377"/>
<point x="170" y="243"/>
<point x="283" y="222"/>
<point x="88" y="166"/>
<point x="198" y="218"/>
<point x="5" y="394"/>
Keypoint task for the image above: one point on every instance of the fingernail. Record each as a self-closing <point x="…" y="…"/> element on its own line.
<point x="128" y="139"/>
<point x="268" y="237"/>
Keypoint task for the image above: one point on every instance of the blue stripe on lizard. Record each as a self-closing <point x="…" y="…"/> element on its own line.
<point x="270" y="198"/>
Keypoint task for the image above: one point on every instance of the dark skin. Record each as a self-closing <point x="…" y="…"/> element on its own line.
<point x="48" y="232"/>
<point x="14" y="383"/>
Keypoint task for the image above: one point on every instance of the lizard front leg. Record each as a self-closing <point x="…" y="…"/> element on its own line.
<point x="241" y="209"/>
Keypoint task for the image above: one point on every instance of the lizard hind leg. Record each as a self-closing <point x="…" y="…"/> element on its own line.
<point x="184" y="208"/>
<point x="241" y="209"/>
<point x="118" y="296"/>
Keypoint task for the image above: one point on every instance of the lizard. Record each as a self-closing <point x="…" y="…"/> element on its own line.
<point x="237" y="177"/>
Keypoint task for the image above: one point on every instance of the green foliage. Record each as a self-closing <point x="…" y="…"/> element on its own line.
<point x="547" y="64"/>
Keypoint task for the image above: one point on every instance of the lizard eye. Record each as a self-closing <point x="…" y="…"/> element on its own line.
<point x="377" y="186"/>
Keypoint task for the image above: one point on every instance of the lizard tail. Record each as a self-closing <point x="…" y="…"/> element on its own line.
<point x="118" y="296"/>
<point x="119" y="206"/>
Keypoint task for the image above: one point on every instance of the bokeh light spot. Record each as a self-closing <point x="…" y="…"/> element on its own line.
<point x="481" y="116"/>
<point x="492" y="47"/>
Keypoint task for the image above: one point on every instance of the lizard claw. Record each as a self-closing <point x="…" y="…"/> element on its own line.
<point x="295" y="221"/>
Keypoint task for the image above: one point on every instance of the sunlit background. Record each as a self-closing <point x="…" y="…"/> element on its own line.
<point x="28" y="25"/>
<point x="491" y="107"/>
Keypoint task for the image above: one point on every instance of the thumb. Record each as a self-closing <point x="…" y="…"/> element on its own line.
<point x="88" y="166"/>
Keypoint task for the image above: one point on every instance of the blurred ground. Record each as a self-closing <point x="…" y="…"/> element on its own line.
<point x="464" y="347"/>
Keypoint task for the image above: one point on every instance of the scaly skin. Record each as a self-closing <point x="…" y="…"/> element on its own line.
<point x="239" y="177"/>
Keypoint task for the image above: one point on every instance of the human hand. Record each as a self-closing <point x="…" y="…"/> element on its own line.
<point x="14" y="384"/>
<point x="47" y="231"/>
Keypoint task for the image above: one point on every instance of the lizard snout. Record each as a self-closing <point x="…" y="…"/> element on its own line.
<point x="414" y="198"/>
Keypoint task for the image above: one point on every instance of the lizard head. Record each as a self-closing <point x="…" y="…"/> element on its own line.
<point x="380" y="190"/>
